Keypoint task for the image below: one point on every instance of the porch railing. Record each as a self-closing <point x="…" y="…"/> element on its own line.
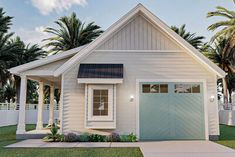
<point x="15" y="106"/>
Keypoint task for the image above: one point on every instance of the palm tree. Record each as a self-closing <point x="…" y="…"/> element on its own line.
<point x="24" y="54"/>
<point x="222" y="54"/>
<point x="71" y="33"/>
<point x="9" y="93"/>
<point x="32" y="92"/>
<point x="6" y="57"/>
<point x="192" y="38"/>
<point x="227" y="26"/>
<point x="5" y="21"/>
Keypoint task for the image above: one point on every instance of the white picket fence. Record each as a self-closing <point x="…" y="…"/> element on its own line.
<point x="9" y="113"/>
<point x="227" y="114"/>
<point x="15" y="106"/>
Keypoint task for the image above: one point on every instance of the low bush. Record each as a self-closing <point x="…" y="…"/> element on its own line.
<point x="86" y="137"/>
<point x="71" y="137"/>
<point x="97" y="138"/>
<point x="53" y="136"/>
<point x="128" y="138"/>
<point x="83" y="137"/>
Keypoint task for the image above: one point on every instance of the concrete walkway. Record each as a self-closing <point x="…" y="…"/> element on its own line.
<point x="149" y="149"/>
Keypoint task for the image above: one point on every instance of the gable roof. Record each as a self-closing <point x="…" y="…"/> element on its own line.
<point x="117" y="25"/>
<point x="16" y="70"/>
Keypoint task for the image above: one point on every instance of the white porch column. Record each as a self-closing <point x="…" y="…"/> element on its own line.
<point x="40" y="106"/>
<point x="21" y="120"/>
<point x="51" y="107"/>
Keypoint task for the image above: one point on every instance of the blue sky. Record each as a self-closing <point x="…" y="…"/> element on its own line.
<point x="32" y="16"/>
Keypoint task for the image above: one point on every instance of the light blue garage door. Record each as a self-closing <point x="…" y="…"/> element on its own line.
<point x="171" y="111"/>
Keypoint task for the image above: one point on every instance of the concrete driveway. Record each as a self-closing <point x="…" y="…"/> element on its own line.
<point x="185" y="149"/>
<point x="149" y="149"/>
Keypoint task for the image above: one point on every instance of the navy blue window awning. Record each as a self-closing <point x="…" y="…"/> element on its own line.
<point x="102" y="71"/>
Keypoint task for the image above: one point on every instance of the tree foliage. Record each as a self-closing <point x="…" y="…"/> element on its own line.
<point x="192" y="38"/>
<point x="71" y="33"/>
<point x="227" y="25"/>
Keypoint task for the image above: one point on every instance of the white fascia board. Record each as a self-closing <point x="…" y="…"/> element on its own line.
<point x="43" y="61"/>
<point x="140" y="8"/>
<point x="99" y="81"/>
<point x="89" y="49"/>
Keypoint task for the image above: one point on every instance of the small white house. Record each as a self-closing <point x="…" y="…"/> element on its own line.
<point x="138" y="77"/>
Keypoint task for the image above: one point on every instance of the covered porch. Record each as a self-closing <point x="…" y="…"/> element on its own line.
<point x="42" y="128"/>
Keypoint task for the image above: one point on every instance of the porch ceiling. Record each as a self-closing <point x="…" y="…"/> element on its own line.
<point x="47" y="79"/>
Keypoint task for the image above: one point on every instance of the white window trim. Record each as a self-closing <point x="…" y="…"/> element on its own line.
<point x="99" y="81"/>
<point x="110" y="116"/>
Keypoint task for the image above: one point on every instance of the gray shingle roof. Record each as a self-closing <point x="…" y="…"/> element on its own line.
<point x="100" y="71"/>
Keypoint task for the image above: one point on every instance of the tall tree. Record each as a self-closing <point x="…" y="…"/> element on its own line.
<point x="71" y="33"/>
<point x="227" y="26"/>
<point x="192" y="38"/>
<point x="5" y="49"/>
<point x="6" y="57"/>
<point x="5" y="21"/>
<point x="223" y="54"/>
<point x="23" y="54"/>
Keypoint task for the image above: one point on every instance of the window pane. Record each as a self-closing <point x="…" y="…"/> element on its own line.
<point x="96" y="92"/>
<point x="96" y="112"/>
<point x="96" y="99"/>
<point x="100" y="102"/>
<point x="96" y="105"/>
<point x="146" y="88"/>
<point x="154" y="88"/>
<point x="196" y="88"/>
<point x="163" y="88"/>
<point x="182" y="88"/>
<point x="104" y="112"/>
<point x="104" y="92"/>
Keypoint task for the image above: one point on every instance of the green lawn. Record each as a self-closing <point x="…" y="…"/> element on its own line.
<point x="227" y="136"/>
<point x="7" y="136"/>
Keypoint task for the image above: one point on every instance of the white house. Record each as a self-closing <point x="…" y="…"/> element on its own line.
<point x="138" y="76"/>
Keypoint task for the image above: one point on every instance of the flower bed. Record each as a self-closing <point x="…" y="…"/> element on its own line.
<point x="54" y="136"/>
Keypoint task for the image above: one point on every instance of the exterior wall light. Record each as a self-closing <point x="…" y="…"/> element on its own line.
<point x="131" y="98"/>
<point x="212" y="98"/>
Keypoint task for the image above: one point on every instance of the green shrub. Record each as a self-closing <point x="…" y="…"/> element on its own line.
<point x="128" y="138"/>
<point x="83" y="137"/>
<point x="124" y="138"/>
<point x="97" y="138"/>
<point x="53" y="136"/>
<point x="132" y="137"/>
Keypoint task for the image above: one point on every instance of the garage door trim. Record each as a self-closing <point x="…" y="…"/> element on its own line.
<point x="138" y="81"/>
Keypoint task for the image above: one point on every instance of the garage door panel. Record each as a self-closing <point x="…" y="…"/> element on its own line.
<point x="150" y="106"/>
<point x="189" y="116"/>
<point x="171" y="115"/>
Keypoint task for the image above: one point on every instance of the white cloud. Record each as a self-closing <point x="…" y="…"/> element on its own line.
<point x="33" y="36"/>
<point x="47" y="6"/>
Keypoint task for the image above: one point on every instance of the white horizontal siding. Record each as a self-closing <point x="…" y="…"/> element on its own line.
<point x="154" y="66"/>
<point x="138" y="34"/>
<point x="136" y="66"/>
<point x="73" y="102"/>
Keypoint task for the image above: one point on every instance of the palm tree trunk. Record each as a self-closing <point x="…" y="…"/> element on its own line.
<point x="225" y="90"/>
<point x="17" y="85"/>
<point x="230" y="97"/>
